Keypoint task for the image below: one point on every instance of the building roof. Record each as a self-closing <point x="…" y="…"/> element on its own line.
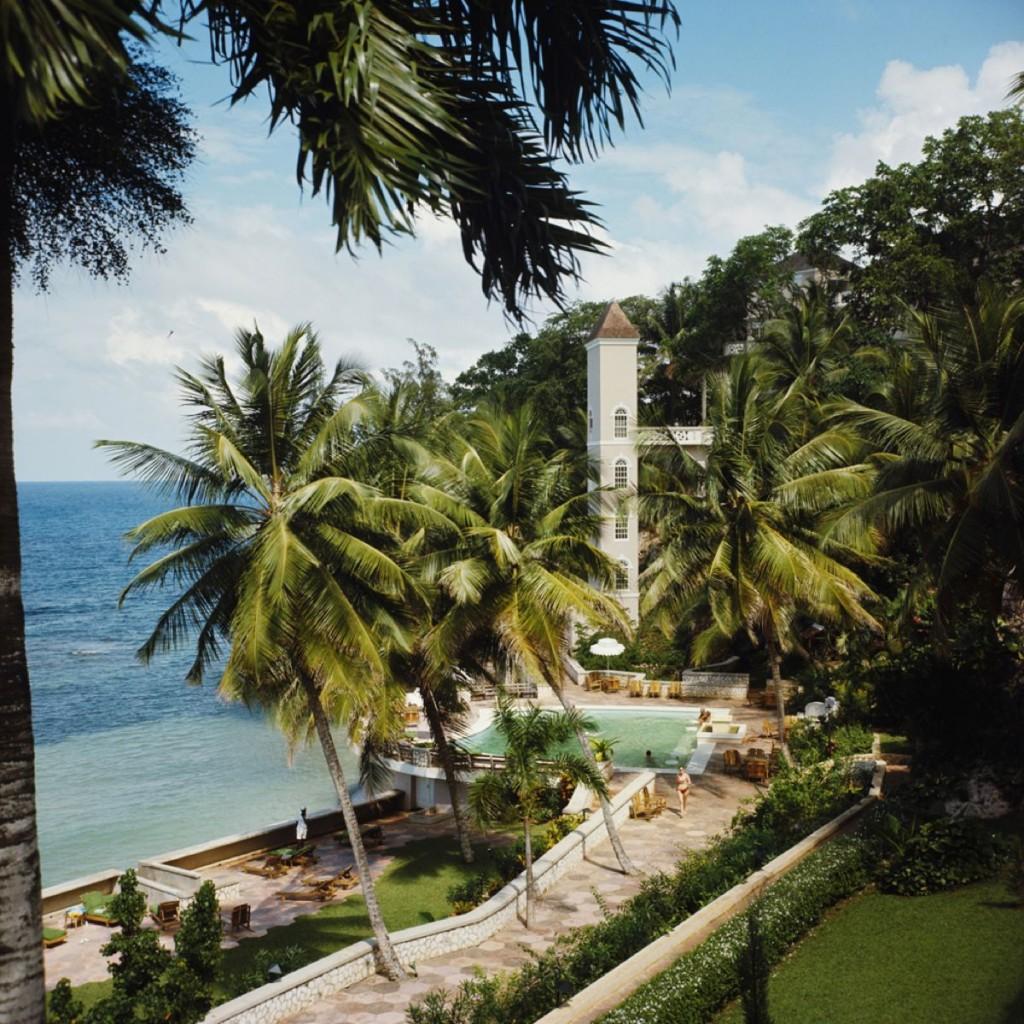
<point x="614" y="324"/>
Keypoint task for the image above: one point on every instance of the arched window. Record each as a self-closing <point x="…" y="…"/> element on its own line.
<point x="622" y="526"/>
<point x="621" y="473"/>
<point x="622" y="575"/>
<point x="621" y="421"/>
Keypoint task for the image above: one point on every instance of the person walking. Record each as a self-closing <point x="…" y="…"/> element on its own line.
<point x="301" y="827"/>
<point x="683" y="785"/>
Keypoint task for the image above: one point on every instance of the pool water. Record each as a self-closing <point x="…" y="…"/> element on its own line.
<point x="670" y="736"/>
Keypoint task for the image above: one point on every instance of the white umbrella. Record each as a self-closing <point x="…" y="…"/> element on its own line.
<point x="607" y="647"/>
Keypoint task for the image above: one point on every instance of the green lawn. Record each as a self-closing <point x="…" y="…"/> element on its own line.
<point x="949" y="958"/>
<point x="892" y="744"/>
<point x="412" y="890"/>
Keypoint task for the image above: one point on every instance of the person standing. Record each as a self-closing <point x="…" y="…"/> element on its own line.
<point x="301" y="827"/>
<point x="683" y="784"/>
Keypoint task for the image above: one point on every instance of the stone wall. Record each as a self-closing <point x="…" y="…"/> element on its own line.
<point x="338" y="971"/>
<point x="715" y="685"/>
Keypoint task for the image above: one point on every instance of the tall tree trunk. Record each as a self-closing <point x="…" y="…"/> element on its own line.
<point x="625" y="864"/>
<point x="387" y="959"/>
<point x="775" y="662"/>
<point x="447" y="757"/>
<point x="528" y="857"/>
<point x="21" y="946"/>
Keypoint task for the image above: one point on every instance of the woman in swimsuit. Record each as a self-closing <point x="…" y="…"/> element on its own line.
<point x="683" y="784"/>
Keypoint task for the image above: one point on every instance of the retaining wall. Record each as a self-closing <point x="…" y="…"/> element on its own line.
<point x="619" y="983"/>
<point x="338" y="971"/>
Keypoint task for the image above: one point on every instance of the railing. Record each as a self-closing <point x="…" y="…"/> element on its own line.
<point x="482" y="690"/>
<point x="690" y="437"/>
<point x="468" y="761"/>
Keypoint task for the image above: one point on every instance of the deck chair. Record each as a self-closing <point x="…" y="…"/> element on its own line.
<point x="612" y="685"/>
<point x="97" y="908"/>
<point x="412" y="714"/>
<point x="654" y="805"/>
<point x="54" y="937"/>
<point x="756" y="771"/>
<point x="732" y="760"/>
<point x="636" y="807"/>
<point x="241" y="917"/>
<point x="270" y="867"/>
<point x="305" y="893"/>
<point x="166" y="915"/>
<point x="675" y="691"/>
<point x="636" y="689"/>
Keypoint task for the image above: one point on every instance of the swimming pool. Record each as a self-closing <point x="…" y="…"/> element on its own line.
<point x="669" y="735"/>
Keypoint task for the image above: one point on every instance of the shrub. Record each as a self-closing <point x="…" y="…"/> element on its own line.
<point x="693" y="989"/>
<point x="753" y="969"/>
<point x="582" y="956"/>
<point x="810" y="742"/>
<point x="288" y="958"/>
<point x="558" y="829"/>
<point x="940" y="854"/>
<point x="472" y="892"/>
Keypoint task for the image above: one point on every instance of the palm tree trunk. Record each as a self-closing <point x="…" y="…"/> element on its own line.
<point x="21" y="948"/>
<point x="528" y="857"/>
<point x="775" y="662"/>
<point x="625" y="864"/>
<point x="387" y="959"/>
<point x="447" y="758"/>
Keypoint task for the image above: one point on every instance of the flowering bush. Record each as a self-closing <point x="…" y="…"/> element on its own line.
<point x="770" y="825"/>
<point x="700" y="982"/>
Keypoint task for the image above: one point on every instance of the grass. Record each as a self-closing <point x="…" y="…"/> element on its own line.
<point x="948" y="958"/>
<point x="893" y="744"/>
<point x="412" y="890"/>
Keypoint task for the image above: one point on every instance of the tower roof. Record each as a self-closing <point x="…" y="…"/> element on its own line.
<point x="614" y="324"/>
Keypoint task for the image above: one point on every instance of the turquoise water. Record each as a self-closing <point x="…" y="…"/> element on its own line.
<point x="130" y="760"/>
<point x="670" y="736"/>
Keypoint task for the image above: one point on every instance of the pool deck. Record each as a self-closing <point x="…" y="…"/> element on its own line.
<point x="653" y="845"/>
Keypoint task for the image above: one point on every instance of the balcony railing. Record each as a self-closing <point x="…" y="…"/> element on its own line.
<point x="688" y="437"/>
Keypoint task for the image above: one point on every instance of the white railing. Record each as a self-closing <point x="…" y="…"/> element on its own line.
<point x="689" y="437"/>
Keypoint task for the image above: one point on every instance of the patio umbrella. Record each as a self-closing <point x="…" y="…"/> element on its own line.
<point x="608" y="647"/>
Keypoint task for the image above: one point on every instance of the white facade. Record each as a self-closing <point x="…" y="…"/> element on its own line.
<point x="612" y="447"/>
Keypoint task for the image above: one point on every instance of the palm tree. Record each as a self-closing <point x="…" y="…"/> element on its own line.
<point x="526" y="563"/>
<point x="947" y="429"/>
<point x="531" y="763"/>
<point x="280" y="555"/>
<point x="740" y="544"/>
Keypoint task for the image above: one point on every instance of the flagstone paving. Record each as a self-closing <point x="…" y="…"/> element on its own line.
<point x="652" y="845"/>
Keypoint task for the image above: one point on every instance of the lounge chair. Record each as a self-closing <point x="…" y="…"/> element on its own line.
<point x="271" y="867"/>
<point x="97" y="908"/>
<point x="756" y="770"/>
<point x="241" y="917"/>
<point x="289" y="855"/>
<point x="732" y="761"/>
<point x="612" y="684"/>
<point x="636" y="688"/>
<point x="654" y="804"/>
<point x="675" y="691"/>
<point x="54" y="937"/>
<point x="167" y="916"/>
<point x="643" y="805"/>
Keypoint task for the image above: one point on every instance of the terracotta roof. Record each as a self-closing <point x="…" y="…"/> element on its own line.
<point x="614" y="324"/>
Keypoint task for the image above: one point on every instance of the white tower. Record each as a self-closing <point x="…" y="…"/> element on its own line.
<point x="611" y="444"/>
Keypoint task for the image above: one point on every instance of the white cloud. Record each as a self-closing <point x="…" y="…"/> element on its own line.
<point x="915" y="103"/>
<point x="130" y="341"/>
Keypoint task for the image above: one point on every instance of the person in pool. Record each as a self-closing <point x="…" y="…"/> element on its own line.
<point x="704" y="717"/>
<point x="648" y="758"/>
<point x="683" y="785"/>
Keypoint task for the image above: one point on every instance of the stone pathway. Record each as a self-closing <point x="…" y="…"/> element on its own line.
<point x="653" y="845"/>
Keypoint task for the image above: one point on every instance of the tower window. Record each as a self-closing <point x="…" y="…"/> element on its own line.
<point x="621" y="423"/>
<point x="622" y="575"/>
<point x="621" y="473"/>
<point x="622" y="526"/>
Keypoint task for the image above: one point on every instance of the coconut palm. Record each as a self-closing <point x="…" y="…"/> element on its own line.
<point x="740" y="541"/>
<point x="279" y="555"/>
<point x="526" y="565"/>
<point x="947" y="427"/>
<point x="532" y="764"/>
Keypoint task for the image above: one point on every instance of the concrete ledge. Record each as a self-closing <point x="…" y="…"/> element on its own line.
<point x="618" y="984"/>
<point x="67" y="894"/>
<point x="353" y="963"/>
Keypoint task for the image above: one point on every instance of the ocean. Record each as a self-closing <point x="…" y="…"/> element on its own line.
<point x="130" y="760"/>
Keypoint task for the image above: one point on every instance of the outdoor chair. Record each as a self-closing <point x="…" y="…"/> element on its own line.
<point x="675" y="691"/>
<point x="270" y="867"/>
<point x="769" y="729"/>
<point x="241" y="917"/>
<point x="612" y="685"/>
<point x="654" y="804"/>
<point x="54" y="937"/>
<point x="97" y="908"/>
<point x="636" y="688"/>
<point x="756" y="770"/>
<point x="412" y="715"/>
<point x="166" y="915"/>
<point x="732" y="761"/>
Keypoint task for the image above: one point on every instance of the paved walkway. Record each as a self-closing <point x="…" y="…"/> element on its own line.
<point x="653" y="845"/>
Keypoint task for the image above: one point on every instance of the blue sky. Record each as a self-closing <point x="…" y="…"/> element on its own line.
<point x="772" y="105"/>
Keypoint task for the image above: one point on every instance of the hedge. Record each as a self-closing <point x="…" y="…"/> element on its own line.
<point x="697" y="985"/>
<point x="795" y="805"/>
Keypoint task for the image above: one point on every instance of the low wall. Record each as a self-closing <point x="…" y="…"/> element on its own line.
<point x="619" y="983"/>
<point x="715" y="685"/>
<point x="338" y="971"/>
<point x="67" y="894"/>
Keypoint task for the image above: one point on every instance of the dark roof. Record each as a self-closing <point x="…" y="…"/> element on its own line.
<point x="614" y="324"/>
